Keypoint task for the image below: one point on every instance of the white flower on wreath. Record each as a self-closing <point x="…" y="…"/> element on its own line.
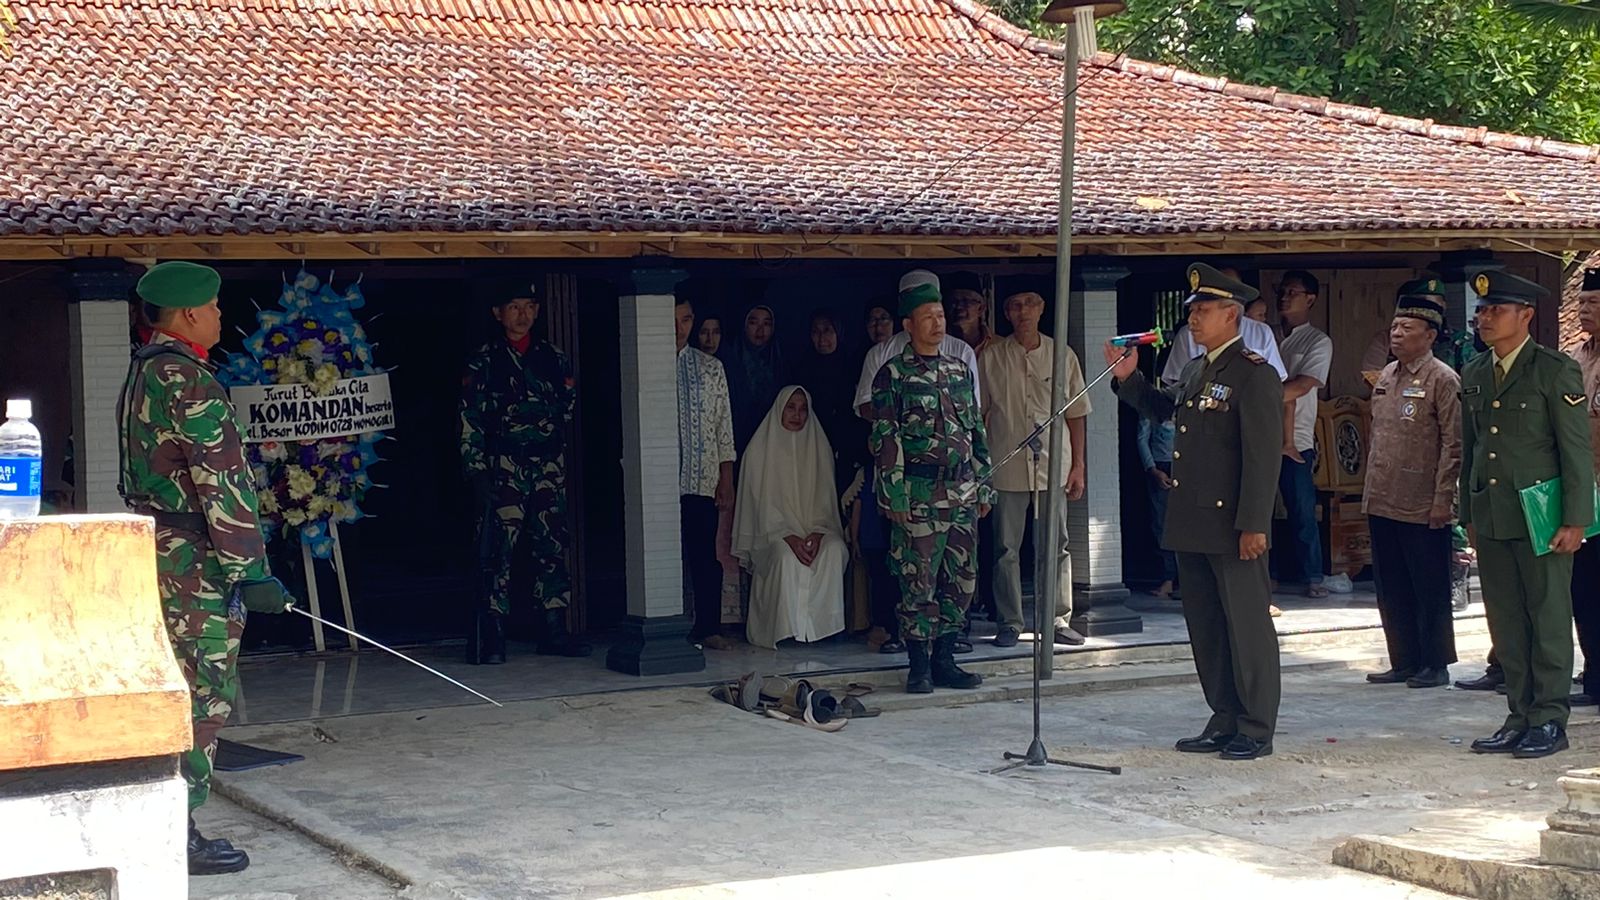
<point x="319" y="506"/>
<point x="269" y="502"/>
<point x="301" y="484"/>
<point x="274" y="451"/>
<point x="311" y="351"/>
<point x="292" y="371"/>
<point x="325" y="376"/>
<point x="294" y="517"/>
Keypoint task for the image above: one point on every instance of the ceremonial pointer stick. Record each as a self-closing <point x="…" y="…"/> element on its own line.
<point x="391" y="650"/>
<point x="1037" y="755"/>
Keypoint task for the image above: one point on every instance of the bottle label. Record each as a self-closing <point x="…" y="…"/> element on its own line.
<point x="19" y="476"/>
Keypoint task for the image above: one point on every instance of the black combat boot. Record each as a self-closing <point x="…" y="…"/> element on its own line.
<point x="919" y="680"/>
<point x="208" y="857"/>
<point x="486" y="644"/>
<point x="945" y="671"/>
<point x="556" y="640"/>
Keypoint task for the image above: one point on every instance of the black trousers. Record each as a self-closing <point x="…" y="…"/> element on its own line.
<point x="1586" y="611"/>
<point x="697" y="517"/>
<point x="1411" y="564"/>
<point x="1235" y="645"/>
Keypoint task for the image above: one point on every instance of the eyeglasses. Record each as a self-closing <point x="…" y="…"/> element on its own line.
<point x="1284" y="292"/>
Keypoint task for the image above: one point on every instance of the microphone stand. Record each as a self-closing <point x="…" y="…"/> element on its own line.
<point x="1036" y="754"/>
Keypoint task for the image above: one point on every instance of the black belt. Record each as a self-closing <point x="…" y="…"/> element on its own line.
<point x="939" y="473"/>
<point x="185" y="521"/>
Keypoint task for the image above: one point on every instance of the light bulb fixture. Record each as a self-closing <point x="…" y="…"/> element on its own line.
<point x="1081" y="14"/>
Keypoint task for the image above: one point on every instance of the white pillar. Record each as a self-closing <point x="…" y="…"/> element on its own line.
<point x="99" y="351"/>
<point x="655" y="633"/>
<point x="1094" y="524"/>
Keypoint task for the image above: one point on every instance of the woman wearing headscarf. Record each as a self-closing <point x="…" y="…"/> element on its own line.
<point x="708" y="334"/>
<point x="786" y="527"/>
<point x="755" y="371"/>
<point x="831" y="383"/>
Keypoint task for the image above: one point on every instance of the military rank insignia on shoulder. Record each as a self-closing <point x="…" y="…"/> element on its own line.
<point x="1254" y="357"/>
<point x="1573" y="399"/>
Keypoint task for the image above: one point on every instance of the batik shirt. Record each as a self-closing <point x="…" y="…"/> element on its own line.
<point x="705" y="423"/>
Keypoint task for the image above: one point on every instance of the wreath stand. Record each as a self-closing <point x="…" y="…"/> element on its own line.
<point x="317" y="636"/>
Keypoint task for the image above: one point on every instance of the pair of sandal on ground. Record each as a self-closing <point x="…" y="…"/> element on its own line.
<point x="796" y="700"/>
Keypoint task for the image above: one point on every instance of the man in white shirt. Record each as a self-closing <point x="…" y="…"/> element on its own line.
<point x="1307" y="354"/>
<point x="878" y="354"/>
<point x="1018" y="371"/>
<point x="705" y="475"/>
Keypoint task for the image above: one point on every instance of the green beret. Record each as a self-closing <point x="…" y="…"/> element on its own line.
<point x="1496" y="287"/>
<point x="1422" y="287"/>
<point x="179" y="285"/>
<point x="1206" y="283"/>
<point x="918" y="288"/>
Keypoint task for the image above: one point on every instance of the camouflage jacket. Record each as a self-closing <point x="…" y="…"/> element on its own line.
<point x="182" y="453"/>
<point x="927" y="435"/>
<point x="516" y="405"/>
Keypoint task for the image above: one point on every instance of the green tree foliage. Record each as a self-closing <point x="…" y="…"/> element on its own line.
<point x="1576" y="15"/>
<point x="1467" y="62"/>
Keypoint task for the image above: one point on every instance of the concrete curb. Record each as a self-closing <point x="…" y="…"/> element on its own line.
<point x="1465" y="875"/>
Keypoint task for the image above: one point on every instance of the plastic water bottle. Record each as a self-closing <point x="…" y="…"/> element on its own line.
<point x="21" y="462"/>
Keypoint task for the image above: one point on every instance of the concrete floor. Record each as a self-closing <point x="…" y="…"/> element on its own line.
<point x="286" y="688"/>
<point x="667" y="794"/>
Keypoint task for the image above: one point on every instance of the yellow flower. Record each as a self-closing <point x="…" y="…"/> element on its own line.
<point x="307" y="348"/>
<point x="330" y="336"/>
<point x="295" y="517"/>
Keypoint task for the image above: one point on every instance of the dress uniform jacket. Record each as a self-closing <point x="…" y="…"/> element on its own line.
<point x="1530" y="429"/>
<point x="1228" y="417"/>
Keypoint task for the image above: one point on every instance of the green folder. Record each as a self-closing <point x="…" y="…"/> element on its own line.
<point x="1541" y="509"/>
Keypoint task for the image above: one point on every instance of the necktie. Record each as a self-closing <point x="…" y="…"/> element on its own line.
<point x="1499" y="374"/>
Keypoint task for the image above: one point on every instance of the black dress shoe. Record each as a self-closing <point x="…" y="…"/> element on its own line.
<point x="1500" y="689"/>
<point x="208" y="857"/>
<point x="1391" y="676"/>
<point x="1006" y="637"/>
<point x="1209" y="742"/>
<point x="1429" y="678"/>
<point x="1583" y="699"/>
<point x="1503" y="741"/>
<point x="1488" y="681"/>
<point x="1246" y="747"/>
<point x="1542" y="740"/>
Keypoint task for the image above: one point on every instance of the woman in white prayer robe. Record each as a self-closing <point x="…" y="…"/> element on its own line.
<point x="786" y="529"/>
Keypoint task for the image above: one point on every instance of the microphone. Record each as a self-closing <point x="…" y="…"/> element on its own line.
<point x="1153" y="337"/>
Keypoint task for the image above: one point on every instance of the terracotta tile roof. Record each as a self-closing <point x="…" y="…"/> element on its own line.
<point x="213" y="117"/>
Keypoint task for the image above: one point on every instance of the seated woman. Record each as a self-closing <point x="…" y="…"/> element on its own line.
<point x="786" y="527"/>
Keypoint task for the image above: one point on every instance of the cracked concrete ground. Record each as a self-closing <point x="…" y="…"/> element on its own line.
<point x="668" y="794"/>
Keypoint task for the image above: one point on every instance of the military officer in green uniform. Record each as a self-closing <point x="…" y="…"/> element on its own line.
<point x="1228" y="411"/>
<point x="183" y="463"/>
<point x="1523" y="422"/>
<point x="517" y="400"/>
<point x="933" y="469"/>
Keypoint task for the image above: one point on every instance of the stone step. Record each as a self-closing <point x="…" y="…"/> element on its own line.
<point x="1468" y="867"/>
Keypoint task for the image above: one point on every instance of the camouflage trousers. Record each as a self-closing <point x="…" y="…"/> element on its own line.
<point x="205" y="632"/>
<point x="530" y="509"/>
<point x="935" y="558"/>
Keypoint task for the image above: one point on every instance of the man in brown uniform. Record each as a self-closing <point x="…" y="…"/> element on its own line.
<point x="1413" y="464"/>
<point x="1586" y="562"/>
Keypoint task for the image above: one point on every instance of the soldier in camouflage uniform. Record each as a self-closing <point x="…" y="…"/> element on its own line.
<point x="932" y="467"/>
<point x="183" y="464"/>
<point x="516" y="404"/>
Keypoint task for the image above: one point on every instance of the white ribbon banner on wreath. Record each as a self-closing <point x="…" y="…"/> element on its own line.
<point x="298" y="412"/>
